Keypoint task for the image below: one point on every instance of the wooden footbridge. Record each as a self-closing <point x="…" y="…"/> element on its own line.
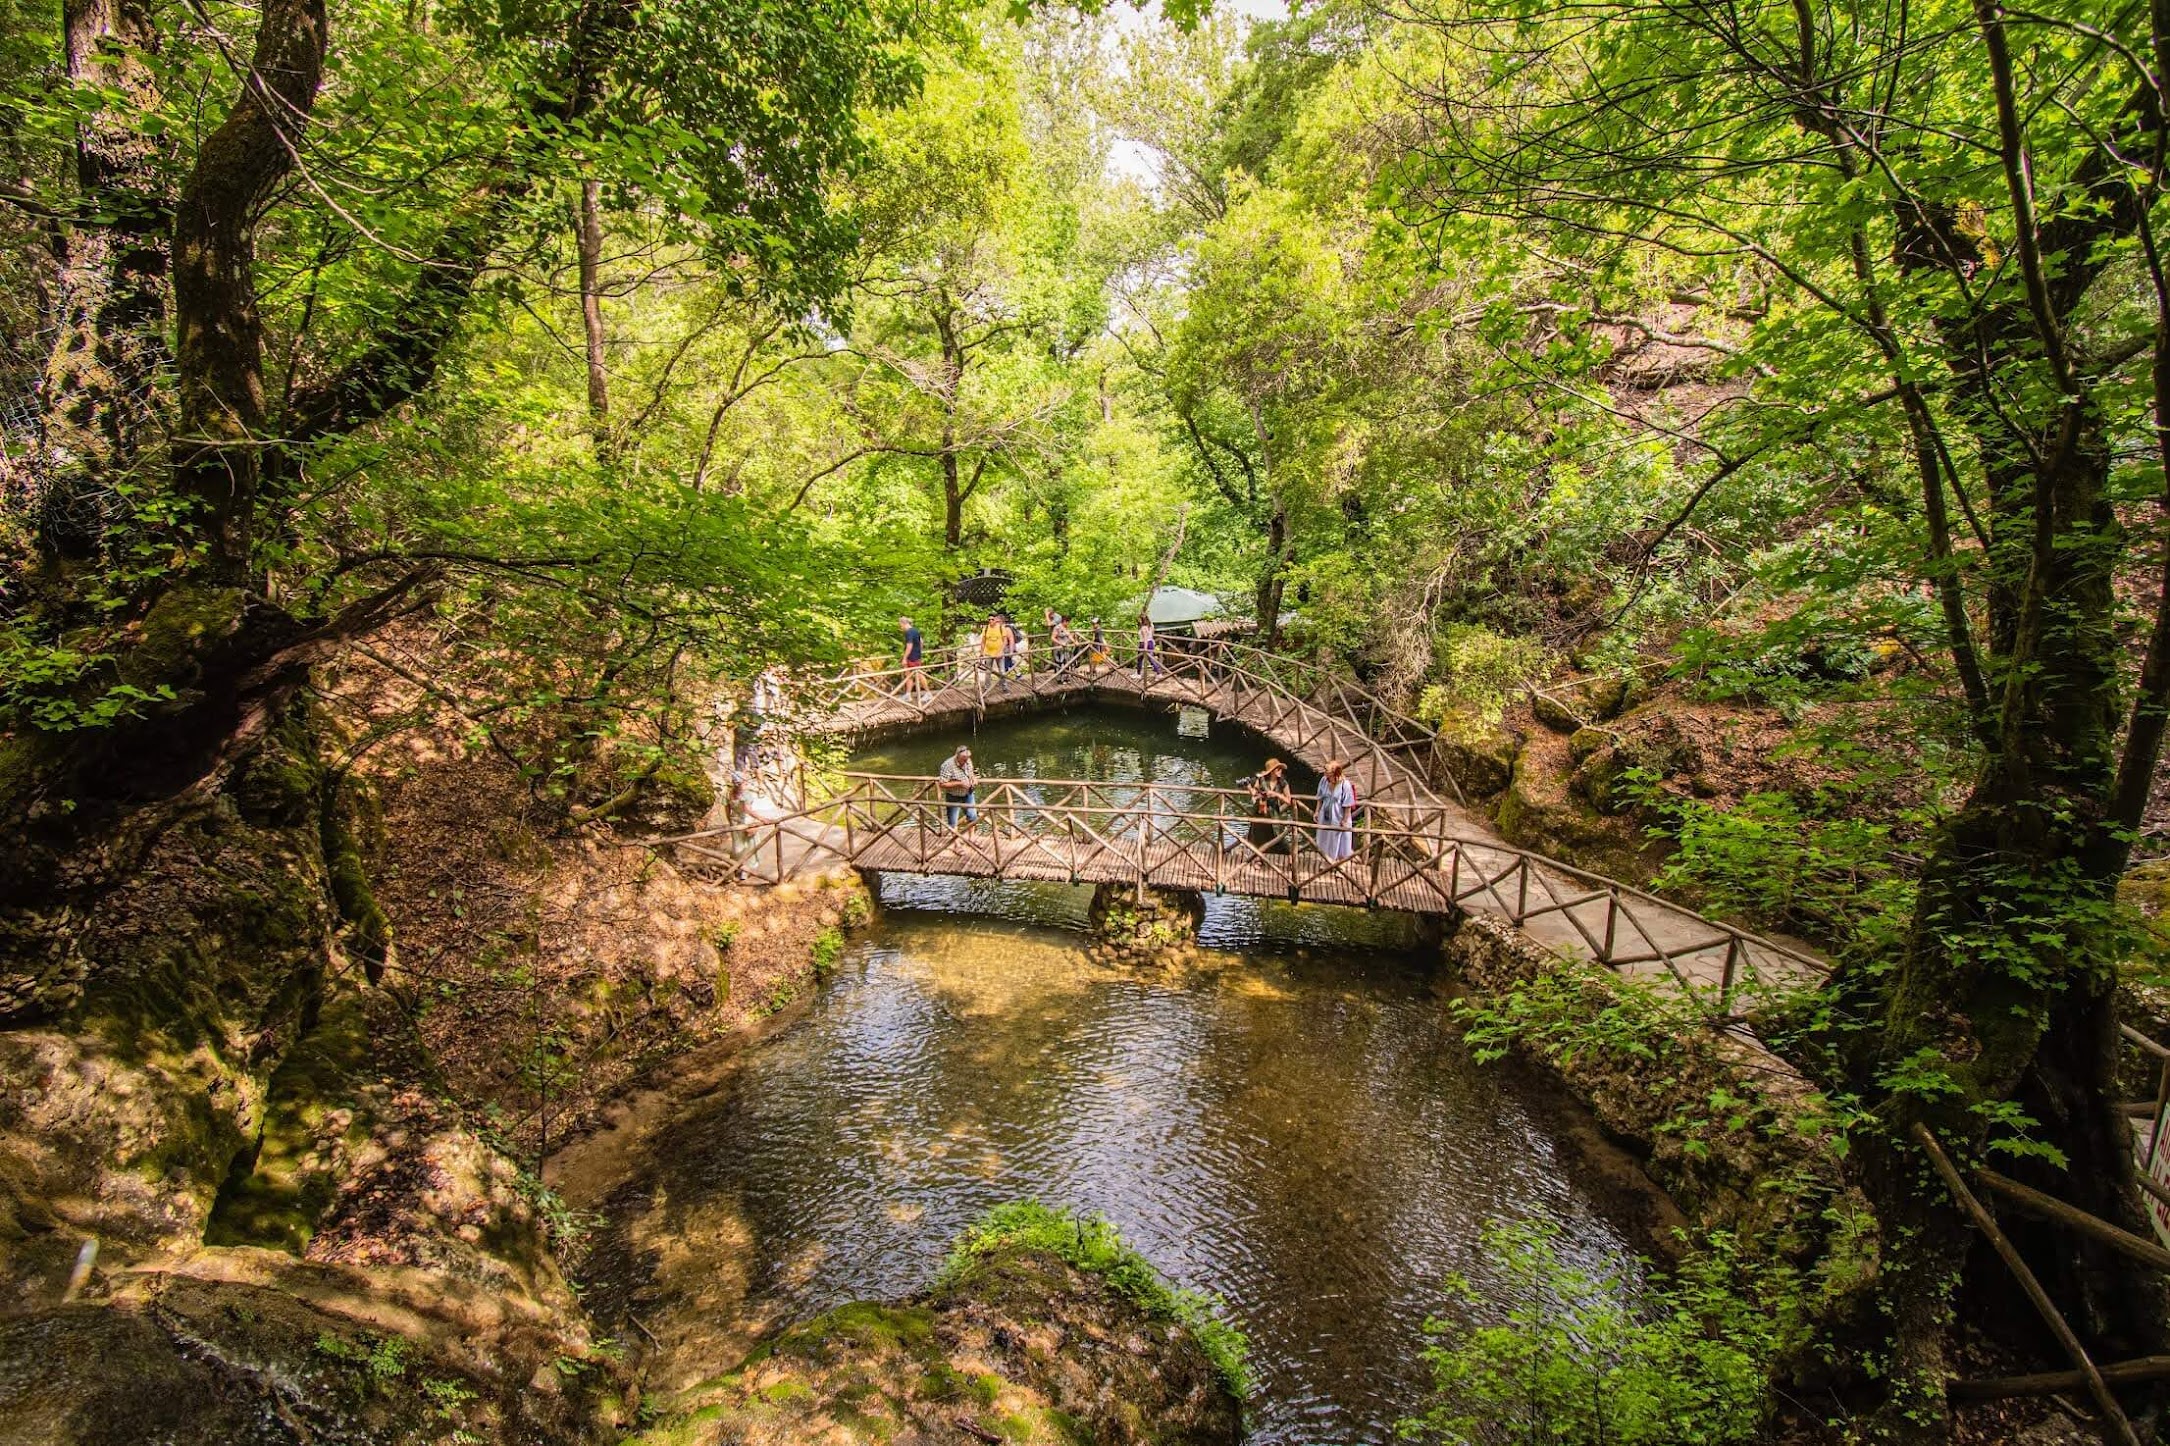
<point x="1411" y="850"/>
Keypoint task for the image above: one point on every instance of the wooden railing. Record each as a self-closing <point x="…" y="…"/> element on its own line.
<point x="1403" y="856"/>
<point x="950" y="679"/>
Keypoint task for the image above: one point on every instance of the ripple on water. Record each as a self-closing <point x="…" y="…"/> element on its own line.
<point x="1291" y="1131"/>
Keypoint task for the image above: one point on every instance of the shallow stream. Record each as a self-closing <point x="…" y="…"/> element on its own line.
<point x="1282" y="1120"/>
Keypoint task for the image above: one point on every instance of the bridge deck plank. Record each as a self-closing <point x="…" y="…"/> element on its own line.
<point x="1548" y="903"/>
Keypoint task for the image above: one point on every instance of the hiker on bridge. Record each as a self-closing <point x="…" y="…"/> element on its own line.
<point x="1336" y="805"/>
<point x="1271" y="805"/>
<point x="915" y="657"/>
<point x="960" y="788"/>
<point x="1148" y="653"/>
<point x="1063" y="639"/>
<point x="995" y="645"/>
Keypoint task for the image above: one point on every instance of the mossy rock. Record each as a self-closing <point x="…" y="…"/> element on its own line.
<point x="1017" y="1344"/>
<point x="1539" y="812"/>
<point x="361" y="1156"/>
<point x="189" y="1361"/>
<point x="1597" y="778"/>
<point x="1573" y="707"/>
<point x="1144" y="922"/>
<point x="1556" y="711"/>
<point x="1477" y="752"/>
<point x="674" y="798"/>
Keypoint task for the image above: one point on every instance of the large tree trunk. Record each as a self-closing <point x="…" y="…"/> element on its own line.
<point x="2005" y="990"/>
<point x="219" y="336"/>
<point x="106" y="370"/>
<point x="952" y="498"/>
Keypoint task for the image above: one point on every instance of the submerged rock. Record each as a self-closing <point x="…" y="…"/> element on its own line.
<point x="1015" y="1345"/>
<point x="1144" y="923"/>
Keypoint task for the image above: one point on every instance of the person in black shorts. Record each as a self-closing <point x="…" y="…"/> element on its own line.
<point x="915" y="657"/>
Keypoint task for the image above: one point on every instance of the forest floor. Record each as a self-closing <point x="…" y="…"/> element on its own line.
<point x="552" y="970"/>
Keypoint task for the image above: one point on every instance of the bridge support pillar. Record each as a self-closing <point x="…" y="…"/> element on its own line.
<point x="1142" y="922"/>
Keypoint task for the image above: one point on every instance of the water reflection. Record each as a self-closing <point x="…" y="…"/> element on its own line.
<point x="1293" y="1132"/>
<point x="1287" y="1126"/>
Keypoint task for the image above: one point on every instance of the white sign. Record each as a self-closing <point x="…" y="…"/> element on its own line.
<point x="2151" y="1154"/>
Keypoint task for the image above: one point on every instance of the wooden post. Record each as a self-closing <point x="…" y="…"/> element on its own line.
<point x="2045" y="1383"/>
<point x="1220" y="843"/>
<point x="2115" y="1427"/>
<point x="2050" y="1207"/>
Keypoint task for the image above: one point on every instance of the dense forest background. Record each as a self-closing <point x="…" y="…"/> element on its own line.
<point x="545" y="370"/>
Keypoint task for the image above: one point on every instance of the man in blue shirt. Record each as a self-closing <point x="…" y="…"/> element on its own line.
<point x="915" y="657"/>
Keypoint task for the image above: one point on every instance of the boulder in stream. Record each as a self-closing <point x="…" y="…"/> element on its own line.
<point x="1016" y="1343"/>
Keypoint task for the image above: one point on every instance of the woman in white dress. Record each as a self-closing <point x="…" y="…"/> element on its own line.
<point x="1337" y="802"/>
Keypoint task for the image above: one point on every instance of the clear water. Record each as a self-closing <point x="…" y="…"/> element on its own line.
<point x="1282" y="1121"/>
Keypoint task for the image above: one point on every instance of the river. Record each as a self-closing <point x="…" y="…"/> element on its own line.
<point x="1283" y="1119"/>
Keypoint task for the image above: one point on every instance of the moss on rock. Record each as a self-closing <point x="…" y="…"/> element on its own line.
<point x="1477" y="751"/>
<point x="1540" y="812"/>
<point x="1015" y="1343"/>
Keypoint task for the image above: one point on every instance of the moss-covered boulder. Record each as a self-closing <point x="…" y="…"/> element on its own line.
<point x="1018" y="1342"/>
<point x="361" y="1160"/>
<point x="673" y="798"/>
<point x="153" y="976"/>
<point x="1571" y="707"/>
<point x="1544" y="810"/>
<point x="1477" y="752"/>
<point x="1138" y="922"/>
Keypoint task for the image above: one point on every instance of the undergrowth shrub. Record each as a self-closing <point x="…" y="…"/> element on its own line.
<point x="1593" y="1357"/>
<point x="1479" y="671"/>
<point x="1092" y="1243"/>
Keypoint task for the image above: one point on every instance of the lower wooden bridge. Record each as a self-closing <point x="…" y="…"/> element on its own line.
<point x="1410" y="850"/>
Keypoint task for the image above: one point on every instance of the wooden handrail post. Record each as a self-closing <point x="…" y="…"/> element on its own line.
<point x="2115" y="1427"/>
<point x="1220" y="843"/>
<point x="2147" y="1252"/>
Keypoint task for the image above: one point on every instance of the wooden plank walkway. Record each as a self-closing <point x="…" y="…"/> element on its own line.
<point x="1415" y="852"/>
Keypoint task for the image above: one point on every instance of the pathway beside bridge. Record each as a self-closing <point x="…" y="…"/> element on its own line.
<point x="1415" y="850"/>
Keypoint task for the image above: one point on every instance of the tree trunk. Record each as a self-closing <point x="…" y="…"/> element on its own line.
<point x="952" y="498"/>
<point x="1272" y="579"/>
<point x="2006" y="988"/>
<point x="106" y="370"/>
<point x="591" y="313"/>
<point x="219" y="335"/>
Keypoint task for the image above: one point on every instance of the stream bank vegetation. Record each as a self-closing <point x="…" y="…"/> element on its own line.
<point x="1740" y="427"/>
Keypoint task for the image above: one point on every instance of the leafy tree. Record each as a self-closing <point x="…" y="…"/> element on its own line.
<point x="1950" y="213"/>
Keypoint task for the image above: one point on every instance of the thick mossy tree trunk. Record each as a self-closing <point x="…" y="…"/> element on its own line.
<point x="2005" y="993"/>
<point x="107" y="368"/>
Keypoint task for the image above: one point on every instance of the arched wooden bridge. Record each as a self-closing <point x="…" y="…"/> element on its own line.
<point x="1412" y="849"/>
